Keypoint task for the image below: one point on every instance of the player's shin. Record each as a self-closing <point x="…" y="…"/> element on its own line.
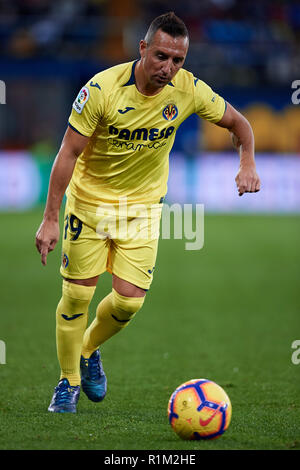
<point x="71" y="322"/>
<point x="113" y="314"/>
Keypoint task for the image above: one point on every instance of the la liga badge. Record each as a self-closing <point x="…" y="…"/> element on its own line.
<point x="81" y="100"/>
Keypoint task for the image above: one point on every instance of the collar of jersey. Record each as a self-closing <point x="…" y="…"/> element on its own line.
<point x="131" y="80"/>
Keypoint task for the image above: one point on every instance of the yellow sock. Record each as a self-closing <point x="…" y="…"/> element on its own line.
<point x="113" y="314"/>
<point x="71" y="322"/>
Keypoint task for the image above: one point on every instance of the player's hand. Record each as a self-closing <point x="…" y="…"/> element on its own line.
<point x="46" y="238"/>
<point x="247" y="180"/>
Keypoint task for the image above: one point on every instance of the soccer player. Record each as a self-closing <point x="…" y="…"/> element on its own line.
<point x="114" y="154"/>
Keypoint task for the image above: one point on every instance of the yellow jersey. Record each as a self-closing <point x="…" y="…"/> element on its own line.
<point x="131" y="135"/>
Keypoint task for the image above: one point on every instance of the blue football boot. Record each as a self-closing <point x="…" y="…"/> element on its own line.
<point x="93" y="379"/>
<point x="65" y="398"/>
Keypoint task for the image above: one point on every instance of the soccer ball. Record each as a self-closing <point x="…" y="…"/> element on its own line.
<point x="199" y="409"/>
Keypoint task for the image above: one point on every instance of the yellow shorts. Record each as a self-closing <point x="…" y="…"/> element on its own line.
<point x="120" y="240"/>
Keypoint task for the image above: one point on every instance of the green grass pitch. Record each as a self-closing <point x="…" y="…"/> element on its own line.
<point x="228" y="312"/>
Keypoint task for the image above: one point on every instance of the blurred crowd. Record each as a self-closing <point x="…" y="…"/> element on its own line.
<point x="49" y="28"/>
<point x="256" y="42"/>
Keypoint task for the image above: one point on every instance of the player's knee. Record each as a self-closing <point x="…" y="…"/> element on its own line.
<point x="75" y="297"/>
<point x="125" y="308"/>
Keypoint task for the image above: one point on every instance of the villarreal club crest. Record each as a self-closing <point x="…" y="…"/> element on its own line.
<point x="170" y="112"/>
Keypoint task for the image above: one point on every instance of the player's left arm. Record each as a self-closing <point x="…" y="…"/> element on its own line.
<point x="247" y="179"/>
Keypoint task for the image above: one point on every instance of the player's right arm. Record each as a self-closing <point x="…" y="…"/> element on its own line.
<point x="47" y="235"/>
